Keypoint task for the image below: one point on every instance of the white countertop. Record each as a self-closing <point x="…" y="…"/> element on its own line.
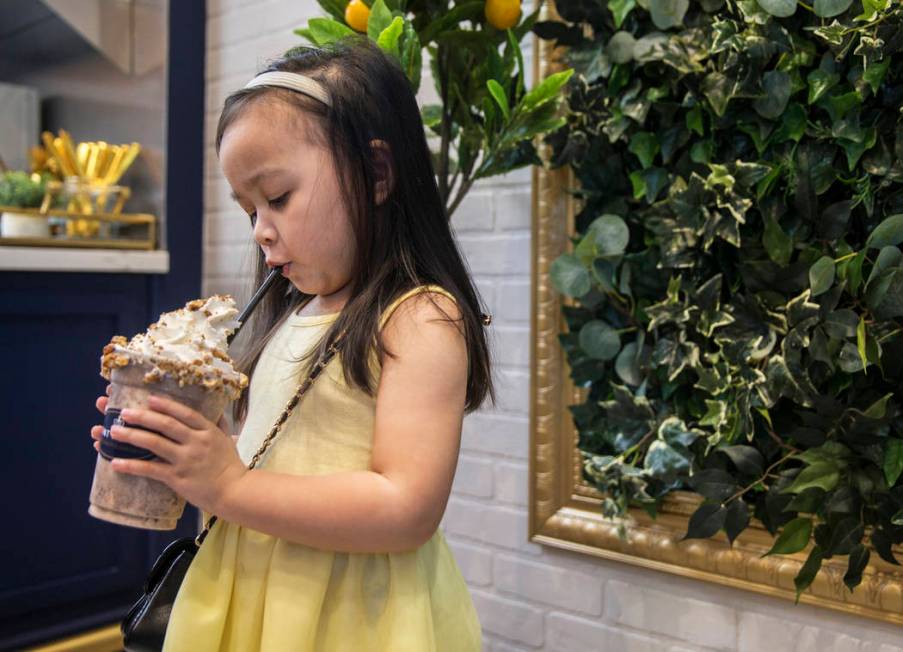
<point x="60" y="259"/>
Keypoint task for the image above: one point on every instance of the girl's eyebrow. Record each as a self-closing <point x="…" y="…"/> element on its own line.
<point x="265" y="172"/>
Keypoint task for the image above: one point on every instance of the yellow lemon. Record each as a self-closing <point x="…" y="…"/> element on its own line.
<point x="502" y="14"/>
<point x="356" y="15"/>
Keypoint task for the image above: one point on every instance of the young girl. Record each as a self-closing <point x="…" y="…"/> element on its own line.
<point x="332" y="541"/>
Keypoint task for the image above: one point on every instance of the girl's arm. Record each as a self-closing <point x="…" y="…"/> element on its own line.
<point x="395" y="506"/>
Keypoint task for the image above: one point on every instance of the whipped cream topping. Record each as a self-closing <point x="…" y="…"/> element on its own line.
<point x="189" y="343"/>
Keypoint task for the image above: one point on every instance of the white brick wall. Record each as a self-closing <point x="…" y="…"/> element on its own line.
<point x="529" y="597"/>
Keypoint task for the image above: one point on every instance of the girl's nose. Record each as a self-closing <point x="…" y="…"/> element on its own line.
<point x="264" y="233"/>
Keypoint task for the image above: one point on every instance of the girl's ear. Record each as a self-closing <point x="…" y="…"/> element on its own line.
<point x="385" y="175"/>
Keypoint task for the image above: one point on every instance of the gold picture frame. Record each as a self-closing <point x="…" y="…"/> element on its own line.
<point x="564" y="510"/>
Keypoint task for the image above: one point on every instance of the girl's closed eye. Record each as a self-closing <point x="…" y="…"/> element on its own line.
<point x="280" y="201"/>
<point x="276" y="203"/>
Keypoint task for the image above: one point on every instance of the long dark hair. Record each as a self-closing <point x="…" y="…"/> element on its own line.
<point x="403" y="243"/>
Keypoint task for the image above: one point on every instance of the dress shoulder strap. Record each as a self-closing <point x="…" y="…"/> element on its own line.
<point x="420" y="289"/>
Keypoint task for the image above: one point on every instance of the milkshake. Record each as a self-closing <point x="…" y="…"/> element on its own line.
<point x="182" y="356"/>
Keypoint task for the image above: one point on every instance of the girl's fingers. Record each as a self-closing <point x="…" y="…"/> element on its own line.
<point x="159" y="446"/>
<point x="101" y="404"/>
<point x="154" y="470"/>
<point x="162" y="423"/>
<point x="97" y="432"/>
<point x="176" y="410"/>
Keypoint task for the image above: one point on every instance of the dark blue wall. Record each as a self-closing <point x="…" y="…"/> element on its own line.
<point x="62" y="571"/>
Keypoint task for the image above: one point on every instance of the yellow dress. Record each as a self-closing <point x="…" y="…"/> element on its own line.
<point x="249" y="591"/>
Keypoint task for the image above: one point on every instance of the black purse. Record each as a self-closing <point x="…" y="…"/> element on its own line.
<point x="144" y="626"/>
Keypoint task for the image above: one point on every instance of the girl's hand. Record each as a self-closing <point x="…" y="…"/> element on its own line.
<point x="197" y="460"/>
<point x="97" y="431"/>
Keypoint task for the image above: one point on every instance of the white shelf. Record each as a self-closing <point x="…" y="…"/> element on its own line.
<point x="59" y="259"/>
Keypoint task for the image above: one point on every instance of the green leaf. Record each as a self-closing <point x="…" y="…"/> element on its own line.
<point x="450" y="19"/>
<point x="325" y="30"/>
<point x="793" y="124"/>
<point x="569" y="276"/>
<point x="747" y="459"/>
<point x="694" y="120"/>
<point x="779" y="8"/>
<point x="380" y="19"/>
<point x="546" y="90"/>
<point x="808" y="571"/>
<point x="388" y="38"/>
<point x="829" y="8"/>
<point x="715" y="484"/>
<point x="861" y="341"/>
<point x="874" y="74"/>
<point x="859" y="559"/>
<point x="778" y="244"/>
<point x="736" y="520"/>
<point x="664" y="461"/>
<point x="893" y="461"/>
<point x="718" y="90"/>
<point x="668" y="13"/>
<point x="793" y="538"/>
<point x="821" y="275"/>
<point x="777" y="88"/>
<point x="887" y="234"/>
<point x="820" y="82"/>
<point x="498" y="94"/>
<point x="878" y="409"/>
<point x="888" y="257"/>
<point x="645" y="146"/>
<point x="304" y="32"/>
<point x="620" y="9"/>
<point x="611" y="234"/>
<point x="336" y="8"/>
<point x="627" y="366"/>
<point x="599" y="340"/>
<point x="823" y="475"/>
<point x="620" y="47"/>
<point x="705" y="521"/>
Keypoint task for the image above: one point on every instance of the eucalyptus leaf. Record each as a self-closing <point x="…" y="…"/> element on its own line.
<point x="627" y="366"/>
<point x="569" y="276"/>
<point x="829" y="8"/>
<point x="611" y="234"/>
<point x="620" y="47"/>
<point x="599" y="340"/>
<point x="779" y="8"/>
<point x="668" y="13"/>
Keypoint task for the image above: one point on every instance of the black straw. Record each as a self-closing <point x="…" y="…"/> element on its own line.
<point x="243" y="317"/>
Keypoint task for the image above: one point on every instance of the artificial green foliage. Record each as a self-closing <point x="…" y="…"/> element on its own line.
<point x="21" y="190"/>
<point x="736" y="275"/>
<point x="487" y="118"/>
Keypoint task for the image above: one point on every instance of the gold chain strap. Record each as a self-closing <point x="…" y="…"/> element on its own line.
<point x="292" y="403"/>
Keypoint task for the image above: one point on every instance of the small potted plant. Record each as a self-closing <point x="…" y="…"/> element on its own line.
<point x="22" y="190"/>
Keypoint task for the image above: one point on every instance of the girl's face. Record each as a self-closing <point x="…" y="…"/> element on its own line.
<point x="284" y="178"/>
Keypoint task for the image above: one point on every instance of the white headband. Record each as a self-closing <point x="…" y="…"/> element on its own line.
<point x="292" y="81"/>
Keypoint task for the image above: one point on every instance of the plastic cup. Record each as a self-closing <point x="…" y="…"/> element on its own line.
<point x="129" y="499"/>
